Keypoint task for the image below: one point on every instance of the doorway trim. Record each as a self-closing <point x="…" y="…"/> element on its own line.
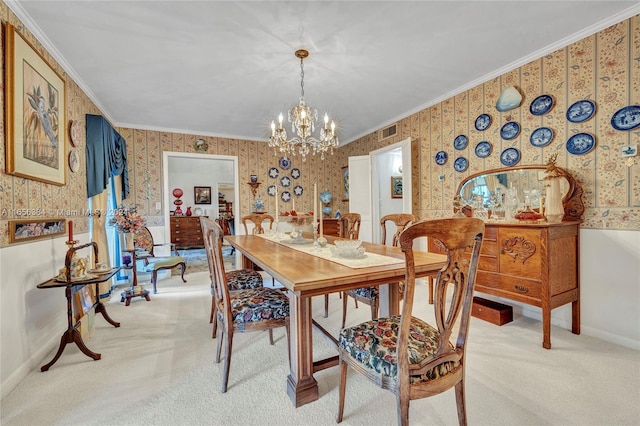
<point x="165" y="183"/>
<point x="405" y="147"/>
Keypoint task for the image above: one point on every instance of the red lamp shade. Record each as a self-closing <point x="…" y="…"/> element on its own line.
<point x="177" y="192"/>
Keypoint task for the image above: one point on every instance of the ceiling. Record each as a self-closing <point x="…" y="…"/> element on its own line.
<point x="227" y="68"/>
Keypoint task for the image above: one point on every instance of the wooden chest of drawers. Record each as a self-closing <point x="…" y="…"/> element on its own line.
<point x="186" y="232"/>
<point x="535" y="264"/>
<point x="330" y="227"/>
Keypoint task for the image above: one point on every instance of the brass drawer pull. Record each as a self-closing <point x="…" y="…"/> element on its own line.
<point x="521" y="289"/>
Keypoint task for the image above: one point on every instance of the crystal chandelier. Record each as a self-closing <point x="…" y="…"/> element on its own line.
<point x="302" y="118"/>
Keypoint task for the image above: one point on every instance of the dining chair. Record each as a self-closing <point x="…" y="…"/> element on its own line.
<point x="349" y="228"/>
<point x="241" y="311"/>
<point x="257" y="220"/>
<point x="238" y="279"/>
<point x="370" y="295"/>
<point x="150" y="263"/>
<point x="405" y="354"/>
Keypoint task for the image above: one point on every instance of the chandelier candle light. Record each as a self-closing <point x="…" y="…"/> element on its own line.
<point x="302" y="119"/>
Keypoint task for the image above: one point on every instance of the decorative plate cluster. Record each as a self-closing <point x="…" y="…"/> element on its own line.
<point x="285" y="181"/>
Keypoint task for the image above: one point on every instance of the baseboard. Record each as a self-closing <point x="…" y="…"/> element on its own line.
<point x="36" y="359"/>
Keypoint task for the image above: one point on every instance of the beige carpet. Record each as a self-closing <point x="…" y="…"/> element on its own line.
<point x="158" y="369"/>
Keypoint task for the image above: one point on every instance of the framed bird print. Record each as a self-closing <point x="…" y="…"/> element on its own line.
<point x="35" y="122"/>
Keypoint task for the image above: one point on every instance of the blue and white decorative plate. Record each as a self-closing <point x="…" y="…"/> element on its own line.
<point x="627" y="118"/>
<point x="285" y="163"/>
<point x="285" y="181"/>
<point x="541" y="136"/>
<point x="460" y="142"/>
<point x="580" y="143"/>
<point x="460" y="164"/>
<point x="510" y="130"/>
<point x="297" y="190"/>
<point x="581" y="111"/>
<point x="483" y="122"/>
<point x="441" y="158"/>
<point x="541" y="105"/>
<point x="483" y="149"/>
<point x="285" y="196"/>
<point x="295" y="173"/>
<point x="271" y="190"/>
<point x="273" y="173"/>
<point x="510" y="157"/>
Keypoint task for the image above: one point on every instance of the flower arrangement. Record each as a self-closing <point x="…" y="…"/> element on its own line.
<point x="127" y="219"/>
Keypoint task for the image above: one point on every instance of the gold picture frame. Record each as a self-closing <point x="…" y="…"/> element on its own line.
<point x="396" y="186"/>
<point x="36" y="229"/>
<point x="35" y="115"/>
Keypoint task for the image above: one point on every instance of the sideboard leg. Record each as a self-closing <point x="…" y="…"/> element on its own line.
<point x="575" y="317"/>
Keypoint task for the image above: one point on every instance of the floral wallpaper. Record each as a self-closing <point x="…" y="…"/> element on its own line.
<point x="22" y="198"/>
<point x="604" y="68"/>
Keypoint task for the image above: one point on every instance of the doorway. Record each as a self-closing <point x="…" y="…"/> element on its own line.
<point x="202" y="170"/>
<point x="388" y="166"/>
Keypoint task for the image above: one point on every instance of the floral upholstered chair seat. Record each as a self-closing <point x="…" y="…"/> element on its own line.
<point x="367" y="292"/>
<point x="242" y="279"/>
<point x="258" y="304"/>
<point x="373" y="344"/>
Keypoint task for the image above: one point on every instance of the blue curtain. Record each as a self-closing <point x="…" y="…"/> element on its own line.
<point x="106" y="156"/>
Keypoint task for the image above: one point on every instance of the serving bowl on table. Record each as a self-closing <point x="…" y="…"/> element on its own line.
<point x="348" y="248"/>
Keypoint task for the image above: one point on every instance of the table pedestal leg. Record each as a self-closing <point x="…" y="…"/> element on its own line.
<point x="100" y="309"/>
<point x="72" y="335"/>
<point x="302" y="388"/>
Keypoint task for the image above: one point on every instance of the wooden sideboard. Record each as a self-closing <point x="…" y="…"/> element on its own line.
<point x="186" y="232"/>
<point x="331" y="227"/>
<point x="535" y="264"/>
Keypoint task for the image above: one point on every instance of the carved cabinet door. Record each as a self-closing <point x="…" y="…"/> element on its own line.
<point x="520" y="252"/>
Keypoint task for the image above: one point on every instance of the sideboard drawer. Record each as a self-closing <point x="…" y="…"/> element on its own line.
<point x="514" y="285"/>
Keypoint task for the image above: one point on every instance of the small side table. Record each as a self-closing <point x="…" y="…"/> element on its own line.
<point x="72" y="335"/>
<point x="134" y="290"/>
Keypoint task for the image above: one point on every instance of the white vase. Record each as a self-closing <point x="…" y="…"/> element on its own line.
<point x="128" y="240"/>
<point x="554" y="209"/>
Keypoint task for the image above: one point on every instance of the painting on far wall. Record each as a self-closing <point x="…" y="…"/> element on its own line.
<point x="396" y="186"/>
<point x="202" y="194"/>
<point x="345" y="183"/>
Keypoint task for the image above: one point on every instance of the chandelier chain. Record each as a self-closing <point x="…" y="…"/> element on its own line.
<point x="302" y="78"/>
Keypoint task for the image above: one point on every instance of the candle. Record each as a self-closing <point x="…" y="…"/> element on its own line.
<point x="321" y="228"/>
<point x="315" y="204"/>
<point x="294" y="205"/>
<point x="277" y="214"/>
<point x="70" y="230"/>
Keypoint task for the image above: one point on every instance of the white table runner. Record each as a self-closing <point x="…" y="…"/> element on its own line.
<point x="369" y="259"/>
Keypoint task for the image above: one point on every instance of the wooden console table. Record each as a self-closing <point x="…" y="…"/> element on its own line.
<point x="72" y="335"/>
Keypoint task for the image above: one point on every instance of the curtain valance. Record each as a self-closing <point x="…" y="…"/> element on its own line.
<point x="106" y="156"/>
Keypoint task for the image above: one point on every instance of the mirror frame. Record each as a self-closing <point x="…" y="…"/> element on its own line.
<point x="572" y="201"/>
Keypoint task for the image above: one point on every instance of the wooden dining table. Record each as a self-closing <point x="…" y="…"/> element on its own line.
<point x="306" y="275"/>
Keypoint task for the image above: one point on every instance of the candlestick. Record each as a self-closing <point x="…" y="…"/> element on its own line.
<point x="315" y="205"/>
<point x="70" y="230"/>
